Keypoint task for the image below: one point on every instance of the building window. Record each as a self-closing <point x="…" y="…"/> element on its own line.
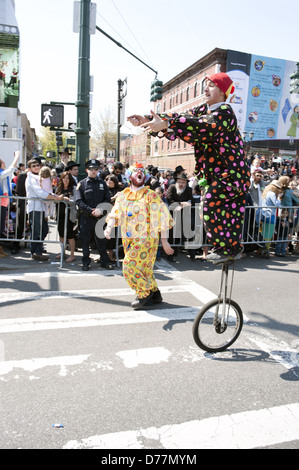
<point x="187" y="94"/>
<point x="170" y="102"/>
<point x="181" y="97"/>
<point x="202" y="88"/>
<point x="176" y="99"/>
<point x="195" y="90"/>
<point x="164" y="106"/>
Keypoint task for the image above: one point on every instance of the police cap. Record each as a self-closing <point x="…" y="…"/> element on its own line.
<point x="93" y="163"/>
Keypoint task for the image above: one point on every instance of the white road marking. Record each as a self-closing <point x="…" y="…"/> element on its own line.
<point x="132" y="358"/>
<point x="98" y="293"/>
<point x="245" y="430"/>
<point x="56" y="322"/>
<point x="31" y="365"/>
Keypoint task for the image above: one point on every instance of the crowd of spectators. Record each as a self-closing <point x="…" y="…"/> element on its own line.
<point x="274" y="184"/>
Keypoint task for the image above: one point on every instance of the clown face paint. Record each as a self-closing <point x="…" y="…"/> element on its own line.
<point x="138" y="177"/>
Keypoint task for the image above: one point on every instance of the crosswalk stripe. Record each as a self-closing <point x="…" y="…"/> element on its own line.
<point x="128" y="358"/>
<point x="45" y="295"/>
<point x="13" y="325"/>
<point x="245" y="430"/>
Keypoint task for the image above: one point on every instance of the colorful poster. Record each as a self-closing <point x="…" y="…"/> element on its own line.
<point x="288" y="125"/>
<point x="262" y="100"/>
<point x="264" y="97"/>
<point x="9" y="70"/>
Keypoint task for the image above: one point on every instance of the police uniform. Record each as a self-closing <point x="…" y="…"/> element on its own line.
<point x="90" y="193"/>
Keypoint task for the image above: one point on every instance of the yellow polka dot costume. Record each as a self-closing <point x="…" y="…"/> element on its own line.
<point x="142" y="215"/>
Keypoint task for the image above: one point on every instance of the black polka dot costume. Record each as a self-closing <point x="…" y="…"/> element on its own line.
<point x="221" y="163"/>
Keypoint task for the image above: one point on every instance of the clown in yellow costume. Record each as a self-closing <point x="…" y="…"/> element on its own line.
<point x="142" y="216"/>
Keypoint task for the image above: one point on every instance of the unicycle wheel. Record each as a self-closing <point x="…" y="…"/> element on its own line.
<point x="217" y="325"/>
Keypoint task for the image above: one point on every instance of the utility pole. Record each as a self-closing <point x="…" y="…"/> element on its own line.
<point x="82" y="103"/>
<point x="119" y="105"/>
<point x="122" y="93"/>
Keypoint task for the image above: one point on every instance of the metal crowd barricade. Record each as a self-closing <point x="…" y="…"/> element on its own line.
<point x="17" y="223"/>
<point x="258" y="218"/>
<point x="252" y="230"/>
<point x="17" y="227"/>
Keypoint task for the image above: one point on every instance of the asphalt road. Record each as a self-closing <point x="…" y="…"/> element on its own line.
<point x="73" y="352"/>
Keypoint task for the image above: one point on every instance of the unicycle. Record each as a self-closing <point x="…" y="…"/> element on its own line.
<point x="220" y="321"/>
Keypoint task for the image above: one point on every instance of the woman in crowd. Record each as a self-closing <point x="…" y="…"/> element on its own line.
<point x="289" y="199"/>
<point x="6" y="190"/>
<point x="114" y="189"/>
<point x="271" y="199"/>
<point x="66" y="188"/>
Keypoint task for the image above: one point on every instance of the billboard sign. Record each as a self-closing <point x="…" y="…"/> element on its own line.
<point x="262" y="100"/>
<point x="9" y="66"/>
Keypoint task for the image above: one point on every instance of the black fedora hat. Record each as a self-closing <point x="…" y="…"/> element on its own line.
<point x="181" y="176"/>
<point x="66" y="150"/>
<point x="179" y="169"/>
<point x="71" y="164"/>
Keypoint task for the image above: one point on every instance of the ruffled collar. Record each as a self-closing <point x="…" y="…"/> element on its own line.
<point x="135" y="195"/>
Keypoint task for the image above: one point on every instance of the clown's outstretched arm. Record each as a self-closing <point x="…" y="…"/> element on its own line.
<point x="137" y="119"/>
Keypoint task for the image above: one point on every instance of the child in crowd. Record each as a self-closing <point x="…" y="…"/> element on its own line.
<point x="160" y="193"/>
<point x="46" y="184"/>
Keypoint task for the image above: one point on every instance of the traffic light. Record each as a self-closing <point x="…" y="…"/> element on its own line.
<point x="58" y="138"/>
<point x="295" y="81"/>
<point x="156" y="90"/>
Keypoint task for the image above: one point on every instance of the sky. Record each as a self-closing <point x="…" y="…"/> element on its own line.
<point x="168" y="35"/>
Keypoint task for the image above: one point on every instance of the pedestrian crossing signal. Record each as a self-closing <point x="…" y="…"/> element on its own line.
<point x="52" y="115"/>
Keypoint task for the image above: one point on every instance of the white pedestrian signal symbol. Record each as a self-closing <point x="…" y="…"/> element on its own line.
<point x="52" y="115"/>
<point x="47" y="116"/>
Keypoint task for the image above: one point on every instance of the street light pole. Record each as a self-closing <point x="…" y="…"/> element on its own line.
<point x="119" y="105"/>
<point x="122" y="92"/>
<point x="4" y="129"/>
<point x="82" y="103"/>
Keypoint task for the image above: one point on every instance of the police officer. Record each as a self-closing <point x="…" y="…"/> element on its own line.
<point x="91" y="192"/>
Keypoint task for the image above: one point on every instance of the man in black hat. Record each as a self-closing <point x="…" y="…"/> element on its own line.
<point x="64" y="157"/>
<point x="91" y="192"/>
<point x="179" y="196"/>
<point x="154" y="181"/>
<point x="178" y="169"/>
<point x="73" y="168"/>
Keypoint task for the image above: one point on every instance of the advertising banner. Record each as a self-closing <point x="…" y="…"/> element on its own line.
<point x="262" y="101"/>
<point x="9" y="67"/>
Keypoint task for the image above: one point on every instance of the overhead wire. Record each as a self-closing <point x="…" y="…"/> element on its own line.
<point x="112" y="1"/>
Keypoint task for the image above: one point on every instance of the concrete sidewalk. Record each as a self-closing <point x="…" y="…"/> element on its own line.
<point x="22" y="261"/>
